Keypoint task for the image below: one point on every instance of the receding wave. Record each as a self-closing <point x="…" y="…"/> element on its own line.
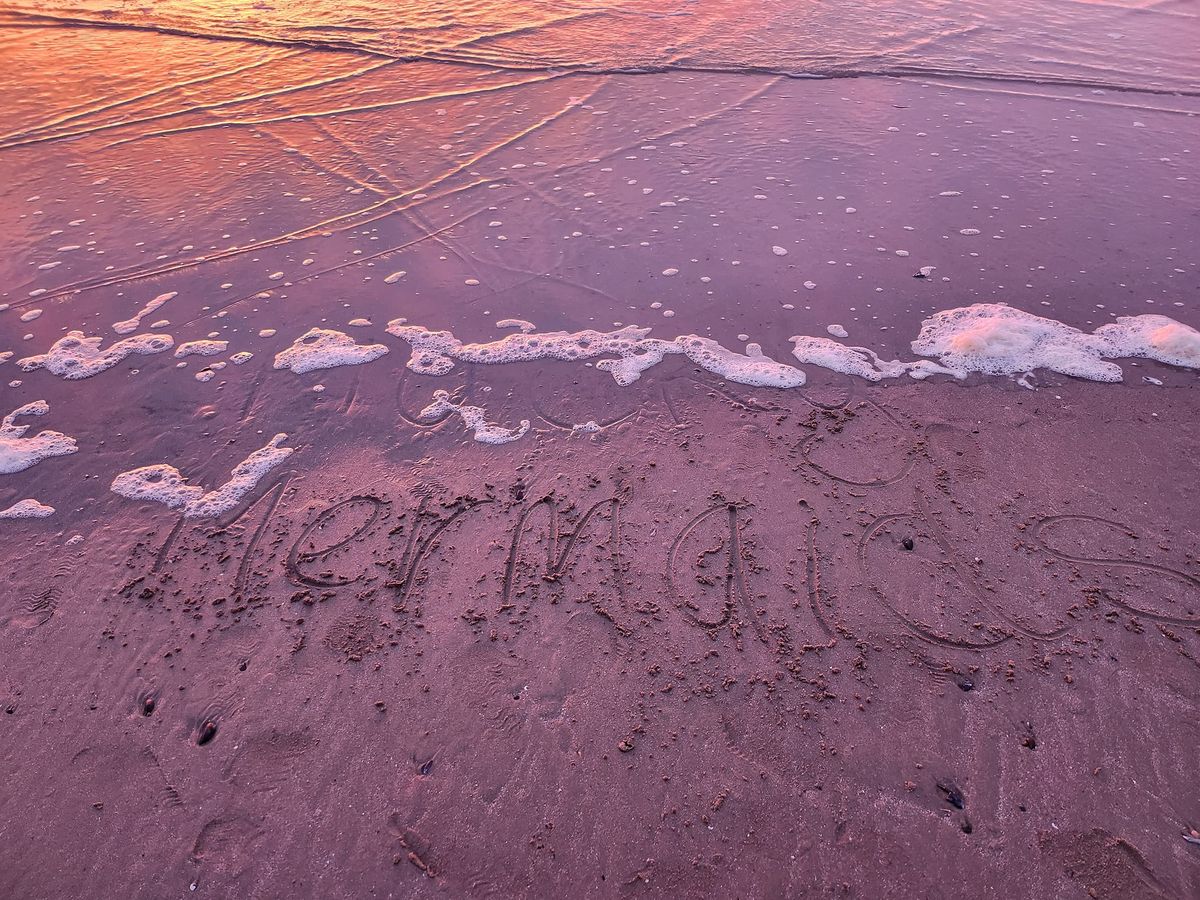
<point x="1147" y="47"/>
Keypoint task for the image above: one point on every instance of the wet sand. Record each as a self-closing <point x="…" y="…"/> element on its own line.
<point x="851" y="639"/>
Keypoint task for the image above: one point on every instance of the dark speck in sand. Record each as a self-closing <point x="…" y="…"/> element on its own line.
<point x="952" y="794"/>
<point x="208" y="731"/>
<point x="907" y="543"/>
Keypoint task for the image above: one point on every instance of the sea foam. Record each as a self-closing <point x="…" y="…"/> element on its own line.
<point x="474" y="418"/>
<point x="76" y="356"/>
<point x="165" y="484"/>
<point x="18" y="453"/>
<point x="324" y="348"/>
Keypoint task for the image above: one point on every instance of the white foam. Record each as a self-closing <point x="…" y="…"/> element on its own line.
<point x="753" y="368"/>
<point x="1153" y="337"/>
<point x="30" y="315"/>
<point x="130" y="325"/>
<point x="859" y="361"/>
<point x="18" y="453"/>
<point x="165" y="484"/>
<point x="323" y="348"/>
<point x="837" y="331"/>
<point x="474" y="418"/>
<point x="996" y="339"/>
<point x="394" y="277"/>
<point x="75" y="356"/>
<point x="244" y="356"/>
<point x="200" y="348"/>
<point x="521" y="325"/>
<point x="27" y="509"/>
<point x="434" y="353"/>
<point x="988" y="338"/>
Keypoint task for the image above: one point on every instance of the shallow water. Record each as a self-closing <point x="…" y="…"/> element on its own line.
<point x="1137" y="45"/>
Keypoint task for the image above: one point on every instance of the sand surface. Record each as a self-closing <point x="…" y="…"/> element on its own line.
<point x="685" y="637"/>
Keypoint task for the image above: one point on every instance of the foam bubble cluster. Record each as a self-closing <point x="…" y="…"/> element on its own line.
<point x="995" y="339"/>
<point x="324" y="348"/>
<point x="1153" y="337"/>
<point x="27" y="509"/>
<point x="18" y="453"/>
<point x="200" y="348"/>
<point x="474" y="418"/>
<point x="858" y="361"/>
<point x="165" y="484"/>
<point x="76" y="356"/>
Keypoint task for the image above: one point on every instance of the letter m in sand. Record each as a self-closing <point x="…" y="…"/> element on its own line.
<point x="549" y="546"/>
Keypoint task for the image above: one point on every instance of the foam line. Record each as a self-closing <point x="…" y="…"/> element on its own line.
<point x="985" y="338"/>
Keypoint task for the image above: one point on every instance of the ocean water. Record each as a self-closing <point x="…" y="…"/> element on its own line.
<point x="752" y="172"/>
<point x="733" y="182"/>
<point x="1145" y="46"/>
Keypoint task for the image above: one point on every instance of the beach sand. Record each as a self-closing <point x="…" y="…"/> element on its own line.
<point x="685" y="637"/>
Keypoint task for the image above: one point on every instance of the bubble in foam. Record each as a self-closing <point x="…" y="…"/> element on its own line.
<point x="165" y="484"/>
<point x="27" y="509"/>
<point x="474" y="418"/>
<point x="18" y="453"/>
<point x="76" y="356"/>
<point x="323" y="348"/>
